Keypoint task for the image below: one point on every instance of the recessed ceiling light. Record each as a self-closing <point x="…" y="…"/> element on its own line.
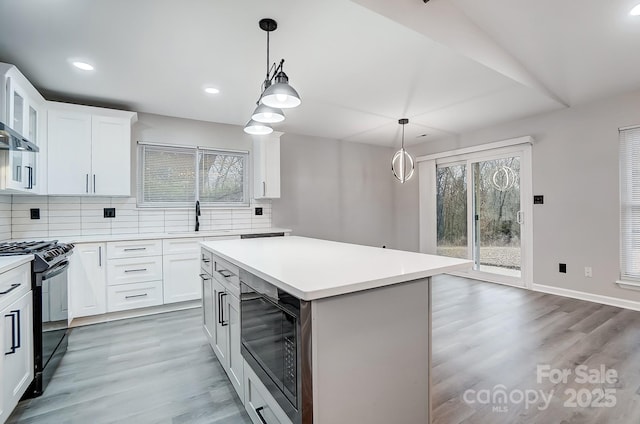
<point x="211" y="90"/>
<point x="635" y="11"/>
<point x="83" y="65"/>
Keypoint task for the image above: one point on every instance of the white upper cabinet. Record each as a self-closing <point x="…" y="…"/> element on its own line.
<point x="69" y="152"/>
<point x="266" y="166"/>
<point x="23" y="109"/>
<point x="89" y="150"/>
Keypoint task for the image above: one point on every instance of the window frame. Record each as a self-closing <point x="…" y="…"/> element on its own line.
<point x="627" y="204"/>
<point x="198" y="151"/>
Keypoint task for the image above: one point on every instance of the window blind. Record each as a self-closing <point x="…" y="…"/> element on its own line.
<point x="168" y="176"/>
<point x="175" y="176"/>
<point x="222" y="177"/>
<point x="630" y="204"/>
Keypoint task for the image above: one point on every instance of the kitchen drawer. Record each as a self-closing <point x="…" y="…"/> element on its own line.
<point x="14" y="284"/>
<point x="133" y="249"/>
<point x="206" y="261"/>
<point x="259" y="403"/>
<point x="132" y="296"/>
<point x="227" y="274"/>
<point x="181" y="245"/>
<point x="134" y="270"/>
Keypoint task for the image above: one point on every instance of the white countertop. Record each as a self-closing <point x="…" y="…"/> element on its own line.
<point x="155" y="236"/>
<point x="10" y="262"/>
<point x="312" y="269"/>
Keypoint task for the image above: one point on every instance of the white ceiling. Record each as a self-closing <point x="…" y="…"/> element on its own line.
<point x="450" y="65"/>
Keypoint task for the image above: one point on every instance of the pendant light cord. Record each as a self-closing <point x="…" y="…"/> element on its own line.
<point x="402" y="136"/>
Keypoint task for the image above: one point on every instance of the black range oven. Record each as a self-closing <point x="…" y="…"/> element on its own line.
<point x="50" y="311"/>
<point x="276" y="342"/>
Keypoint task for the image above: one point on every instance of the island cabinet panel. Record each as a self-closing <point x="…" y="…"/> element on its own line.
<point x="358" y="342"/>
<point x="221" y="315"/>
<point x="208" y="307"/>
<point x="221" y="335"/>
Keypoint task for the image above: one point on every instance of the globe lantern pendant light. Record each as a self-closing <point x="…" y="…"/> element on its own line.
<point x="402" y="163"/>
<point x="276" y="92"/>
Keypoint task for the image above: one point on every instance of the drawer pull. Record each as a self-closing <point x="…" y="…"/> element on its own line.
<point x="133" y="249"/>
<point x="205" y="277"/>
<point x="206" y="261"/>
<point x="135" y="295"/>
<point x="225" y="273"/>
<point x="13" y="287"/>
<point x="259" y="414"/>
<point x="135" y="270"/>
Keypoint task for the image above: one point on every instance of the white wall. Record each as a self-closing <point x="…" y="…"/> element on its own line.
<point x="575" y="167"/>
<point x="336" y="190"/>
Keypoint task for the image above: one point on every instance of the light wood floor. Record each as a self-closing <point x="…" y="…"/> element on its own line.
<point x="159" y="369"/>
<point x="155" y="369"/>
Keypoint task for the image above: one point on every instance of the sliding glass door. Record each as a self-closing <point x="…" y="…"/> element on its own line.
<point x="479" y="213"/>
<point x="497" y="216"/>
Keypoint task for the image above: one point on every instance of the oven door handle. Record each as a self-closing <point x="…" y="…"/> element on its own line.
<point x="57" y="270"/>
<point x="11" y="288"/>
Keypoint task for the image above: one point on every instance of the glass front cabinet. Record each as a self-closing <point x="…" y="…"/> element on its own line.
<point x="24" y="112"/>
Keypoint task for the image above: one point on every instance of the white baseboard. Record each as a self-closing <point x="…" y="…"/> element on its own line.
<point x="134" y="313"/>
<point x="597" y="298"/>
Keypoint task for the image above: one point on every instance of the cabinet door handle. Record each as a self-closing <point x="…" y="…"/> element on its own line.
<point x="18" y="337"/>
<point x="223" y="322"/>
<point x="29" y="178"/>
<point x="135" y="295"/>
<point x="225" y="273"/>
<point x="264" y="188"/>
<point x="259" y="414"/>
<point x="94" y="183"/>
<point x="87" y="183"/>
<point x="135" y="270"/>
<point x="99" y="256"/>
<point x="132" y="249"/>
<point x="12" y="350"/>
<point x="13" y="287"/>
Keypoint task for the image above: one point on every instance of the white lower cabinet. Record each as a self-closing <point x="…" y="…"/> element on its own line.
<point x="134" y="295"/>
<point x="236" y="362"/>
<point x="181" y="265"/>
<point x="208" y="307"/>
<point x="258" y="402"/>
<point x="134" y="274"/>
<point x="221" y="335"/>
<point x="88" y="280"/>
<point x="16" y="338"/>
<point x="221" y="319"/>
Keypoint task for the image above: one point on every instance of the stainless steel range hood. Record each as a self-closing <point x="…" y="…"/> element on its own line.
<point x="11" y="140"/>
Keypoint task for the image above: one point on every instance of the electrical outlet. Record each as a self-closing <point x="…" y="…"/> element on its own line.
<point x="109" y="212"/>
<point x="258" y="211"/>
<point x="562" y="268"/>
<point x="588" y="272"/>
<point x="35" y="213"/>
<point x="538" y="200"/>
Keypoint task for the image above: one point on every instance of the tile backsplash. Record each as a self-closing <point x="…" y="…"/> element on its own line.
<point x="83" y="216"/>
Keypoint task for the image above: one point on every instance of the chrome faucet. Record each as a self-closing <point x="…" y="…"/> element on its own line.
<point x="197" y="215"/>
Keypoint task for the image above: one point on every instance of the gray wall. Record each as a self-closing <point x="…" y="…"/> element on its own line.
<point x="336" y="190"/>
<point x="575" y="167"/>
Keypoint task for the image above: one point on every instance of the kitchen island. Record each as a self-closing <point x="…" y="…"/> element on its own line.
<point x="362" y="331"/>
